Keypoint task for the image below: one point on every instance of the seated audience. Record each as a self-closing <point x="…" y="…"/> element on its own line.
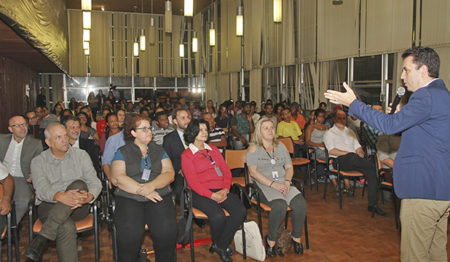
<point x="315" y="132"/>
<point x="86" y="130"/>
<point x="241" y="128"/>
<point x="369" y="135"/>
<point x="387" y="148"/>
<point x="39" y="114"/>
<point x="34" y="129"/>
<point x="65" y="182"/>
<point x="288" y="128"/>
<point x="268" y="114"/>
<point x="216" y="134"/>
<point x="342" y="144"/>
<point x="16" y="152"/>
<point x="112" y="128"/>
<point x="142" y="172"/>
<point x="209" y="178"/>
<point x="88" y="111"/>
<point x="210" y="108"/>
<point x="278" y="112"/>
<point x="72" y="124"/>
<point x="222" y="119"/>
<point x="120" y="117"/>
<point x="296" y="115"/>
<point x="174" y="145"/>
<point x="270" y="165"/>
<point x="161" y="127"/>
<point x="7" y="188"/>
<point x="253" y="114"/>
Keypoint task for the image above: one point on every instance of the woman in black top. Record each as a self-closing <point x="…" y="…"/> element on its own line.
<point x="142" y="172"/>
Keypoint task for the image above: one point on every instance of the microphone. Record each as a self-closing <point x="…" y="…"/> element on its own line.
<point x="400" y="92"/>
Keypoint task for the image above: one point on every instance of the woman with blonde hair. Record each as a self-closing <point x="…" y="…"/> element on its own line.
<point x="270" y="165"/>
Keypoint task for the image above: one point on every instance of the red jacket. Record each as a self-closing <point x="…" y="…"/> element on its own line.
<point x="200" y="174"/>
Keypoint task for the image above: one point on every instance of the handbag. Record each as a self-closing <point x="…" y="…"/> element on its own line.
<point x="284" y="241"/>
<point x="253" y="241"/>
<point x="184" y="225"/>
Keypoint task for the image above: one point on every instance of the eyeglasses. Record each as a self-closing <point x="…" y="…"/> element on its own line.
<point x="19" y="125"/>
<point x="145" y="128"/>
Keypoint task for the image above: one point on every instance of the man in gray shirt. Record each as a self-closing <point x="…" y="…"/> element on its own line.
<point x="66" y="183"/>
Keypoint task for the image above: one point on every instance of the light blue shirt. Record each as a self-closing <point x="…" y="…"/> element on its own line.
<point x="113" y="143"/>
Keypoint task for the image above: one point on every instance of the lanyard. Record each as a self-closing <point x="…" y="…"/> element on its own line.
<point x="272" y="157"/>
<point x="146" y="162"/>
<point x="208" y="157"/>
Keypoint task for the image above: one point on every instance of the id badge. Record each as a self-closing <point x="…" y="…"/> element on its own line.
<point x="146" y="174"/>
<point x="219" y="173"/>
<point x="275" y="175"/>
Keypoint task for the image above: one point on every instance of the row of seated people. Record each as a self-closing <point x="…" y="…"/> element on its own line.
<point x="174" y="145"/>
<point x="65" y="182"/>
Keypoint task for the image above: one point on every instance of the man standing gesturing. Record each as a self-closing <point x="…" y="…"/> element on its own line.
<point x="422" y="166"/>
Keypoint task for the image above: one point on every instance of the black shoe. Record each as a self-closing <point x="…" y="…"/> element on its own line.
<point x="376" y="210"/>
<point x="222" y="253"/>
<point x="270" y="251"/>
<point x="34" y="250"/>
<point x="228" y="250"/>
<point x="298" y="247"/>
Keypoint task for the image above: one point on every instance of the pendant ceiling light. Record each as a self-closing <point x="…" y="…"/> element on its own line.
<point x="194" y="42"/>
<point x="240" y="21"/>
<point x="142" y="40"/>
<point x="136" y="49"/>
<point x="85" y="45"/>
<point x="86" y="4"/>
<point x="86" y="35"/>
<point x="188" y="7"/>
<point x="168" y="17"/>
<point x="181" y="50"/>
<point x="277" y="11"/>
<point x="86" y="20"/>
<point x="142" y="36"/>
<point x="212" y="35"/>
<point x="152" y="32"/>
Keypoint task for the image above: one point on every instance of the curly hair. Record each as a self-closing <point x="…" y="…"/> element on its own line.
<point x="193" y="129"/>
<point x="131" y="122"/>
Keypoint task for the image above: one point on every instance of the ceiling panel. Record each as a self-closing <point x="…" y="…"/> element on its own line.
<point x="17" y="49"/>
<point x="136" y="5"/>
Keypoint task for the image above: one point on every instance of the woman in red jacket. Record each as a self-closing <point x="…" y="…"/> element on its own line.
<point x="209" y="178"/>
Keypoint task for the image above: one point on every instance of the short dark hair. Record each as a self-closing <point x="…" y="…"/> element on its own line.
<point x="65" y="119"/>
<point x="193" y="129"/>
<point x="88" y="122"/>
<point x="322" y="103"/>
<point x="143" y="109"/>
<point x="175" y="112"/>
<point x="160" y="114"/>
<point x="319" y="111"/>
<point x="424" y="56"/>
<point x="110" y="115"/>
<point x="131" y="122"/>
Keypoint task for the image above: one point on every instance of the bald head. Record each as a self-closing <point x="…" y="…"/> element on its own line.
<point x="340" y="120"/>
<point x="56" y="138"/>
<point x="18" y="126"/>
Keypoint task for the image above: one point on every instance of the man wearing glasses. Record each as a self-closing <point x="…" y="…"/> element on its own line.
<point x="16" y="152"/>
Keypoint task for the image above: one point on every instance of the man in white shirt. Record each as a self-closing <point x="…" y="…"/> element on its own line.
<point x="16" y="152"/>
<point x="342" y="144"/>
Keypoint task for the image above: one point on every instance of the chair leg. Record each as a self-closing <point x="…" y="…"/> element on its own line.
<point x="192" y="244"/>
<point x="260" y="220"/>
<point x="364" y="186"/>
<point x="244" y="244"/>
<point x="96" y="238"/>
<point x="325" y="186"/>
<point x="354" y="188"/>
<point x="8" y="232"/>
<point x="286" y="218"/>
<point x="114" y="242"/>
<point x="306" y="233"/>
<point x="396" y="215"/>
<point x="340" y="191"/>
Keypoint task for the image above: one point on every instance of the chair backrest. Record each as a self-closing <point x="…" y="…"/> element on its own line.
<point x="287" y="142"/>
<point x="235" y="158"/>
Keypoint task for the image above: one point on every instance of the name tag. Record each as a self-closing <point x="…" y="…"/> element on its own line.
<point x="275" y="176"/>
<point x="146" y="174"/>
<point x="219" y="173"/>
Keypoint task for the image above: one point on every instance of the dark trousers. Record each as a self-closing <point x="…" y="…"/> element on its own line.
<point x="59" y="224"/>
<point x="177" y="186"/>
<point x="131" y="216"/>
<point x="352" y="162"/>
<point x="222" y="227"/>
